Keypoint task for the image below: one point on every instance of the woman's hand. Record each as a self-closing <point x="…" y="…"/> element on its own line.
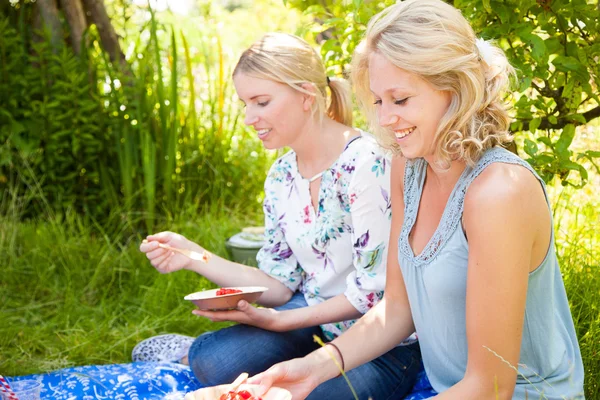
<point x="294" y="375"/>
<point x="264" y="318"/>
<point x="163" y="260"/>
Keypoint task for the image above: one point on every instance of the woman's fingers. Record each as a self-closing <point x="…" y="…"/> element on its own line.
<point x="147" y="246"/>
<point x="152" y="241"/>
<point x="214" y="316"/>
<point x="164" y="266"/>
<point x="164" y="260"/>
<point x="245" y="314"/>
<point x="155" y="253"/>
<point x="217" y="316"/>
<point x="293" y="375"/>
<point x="245" y="307"/>
<point x="158" y="257"/>
<point x="162" y="237"/>
<point x="266" y="379"/>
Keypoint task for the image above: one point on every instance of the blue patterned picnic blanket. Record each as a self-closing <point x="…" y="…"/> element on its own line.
<point x="140" y="381"/>
<point x="135" y="381"/>
<point x="422" y="389"/>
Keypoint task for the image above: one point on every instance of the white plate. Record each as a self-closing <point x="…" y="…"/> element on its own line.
<point x="208" y="299"/>
<point x="214" y="392"/>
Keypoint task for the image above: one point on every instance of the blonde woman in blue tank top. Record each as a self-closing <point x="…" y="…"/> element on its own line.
<point x="472" y="266"/>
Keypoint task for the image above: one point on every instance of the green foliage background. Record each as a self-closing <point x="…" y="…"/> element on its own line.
<point x="53" y="136"/>
<point x="93" y="158"/>
<point x="76" y="132"/>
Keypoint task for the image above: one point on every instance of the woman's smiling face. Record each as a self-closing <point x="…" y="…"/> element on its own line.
<point x="275" y="110"/>
<point x="407" y="105"/>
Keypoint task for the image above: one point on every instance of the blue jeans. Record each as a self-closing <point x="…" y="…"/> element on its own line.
<point x="219" y="357"/>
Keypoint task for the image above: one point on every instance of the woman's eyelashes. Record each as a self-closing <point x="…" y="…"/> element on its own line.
<point x="258" y="103"/>
<point x="396" y="102"/>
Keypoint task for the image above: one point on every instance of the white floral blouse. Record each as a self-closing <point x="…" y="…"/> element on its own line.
<point x="342" y="247"/>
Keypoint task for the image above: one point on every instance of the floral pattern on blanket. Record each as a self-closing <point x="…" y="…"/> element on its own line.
<point x="142" y="381"/>
<point x="135" y="381"/>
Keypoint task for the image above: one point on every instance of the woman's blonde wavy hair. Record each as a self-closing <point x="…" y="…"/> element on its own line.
<point x="432" y="39"/>
<point x="288" y="59"/>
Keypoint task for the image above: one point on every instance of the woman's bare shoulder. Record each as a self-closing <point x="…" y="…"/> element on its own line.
<point x="505" y="187"/>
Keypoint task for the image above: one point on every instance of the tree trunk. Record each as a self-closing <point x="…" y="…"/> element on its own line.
<point x="49" y="13"/>
<point x="110" y="42"/>
<point x="76" y="17"/>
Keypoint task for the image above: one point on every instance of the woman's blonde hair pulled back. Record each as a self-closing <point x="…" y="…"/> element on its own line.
<point x="288" y="59"/>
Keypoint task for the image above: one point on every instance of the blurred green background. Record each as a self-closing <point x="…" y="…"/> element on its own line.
<point x="118" y="119"/>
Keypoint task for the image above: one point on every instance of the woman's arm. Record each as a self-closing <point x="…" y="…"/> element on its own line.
<point x="217" y="269"/>
<point x="383" y="327"/>
<point x="390" y="321"/>
<point x="505" y="213"/>
<point x="278" y="267"/>
<point x="336" y="309"/>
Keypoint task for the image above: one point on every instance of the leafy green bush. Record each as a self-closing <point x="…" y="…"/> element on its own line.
<point x="177" y="130"/>
<point x="52" y="136"/>
<point x="555" y="46"/>
<point x="77" y="133"/>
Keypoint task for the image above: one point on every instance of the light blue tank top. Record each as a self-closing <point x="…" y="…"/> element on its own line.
<point x="436" y="282"/>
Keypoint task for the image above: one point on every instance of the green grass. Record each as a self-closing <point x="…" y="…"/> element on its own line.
<point x="577" y="218"/>
<point x="74" y="294"/>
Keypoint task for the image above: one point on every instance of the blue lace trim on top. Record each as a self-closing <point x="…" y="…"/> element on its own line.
<point x="414" y="177"/>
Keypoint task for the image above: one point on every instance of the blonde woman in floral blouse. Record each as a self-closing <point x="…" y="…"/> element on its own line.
<point x="327" y="216"/>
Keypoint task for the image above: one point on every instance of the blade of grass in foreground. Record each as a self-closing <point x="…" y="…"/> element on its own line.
<point x="171" y="145"/>
<point x="337" y="364"/>
<point x="192" y="90"/>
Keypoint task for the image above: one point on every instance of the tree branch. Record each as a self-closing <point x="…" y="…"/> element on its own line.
<point x="562" y="122"/>
<point x="108" y="37"/>
<point x="584" y="35"/>
<point x="555" y="94"/>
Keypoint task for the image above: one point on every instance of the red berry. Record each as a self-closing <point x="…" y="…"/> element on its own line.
<point x="245" y="394"/>
<point x="223" y="291"/>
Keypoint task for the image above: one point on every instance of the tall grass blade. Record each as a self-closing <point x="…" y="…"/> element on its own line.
<point x="160" y="92"/>
<point x="337" y="364"/>
<point x="149" y="171"/>
<point x="171" y="145"/>
<point x="221" y="87"/>
<point x="147" y="140"/>
<point x="192" y="88"/>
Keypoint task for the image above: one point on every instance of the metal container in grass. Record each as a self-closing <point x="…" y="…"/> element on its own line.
<point x="244" y="246"/>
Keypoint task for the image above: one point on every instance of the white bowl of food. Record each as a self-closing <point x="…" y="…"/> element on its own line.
<point x="225" y="298"/>
<point x="243" y="392"/>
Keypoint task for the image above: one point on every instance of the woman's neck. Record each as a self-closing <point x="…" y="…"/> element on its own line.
<point x="444" y="178"/>
<point x="319" y="145"/>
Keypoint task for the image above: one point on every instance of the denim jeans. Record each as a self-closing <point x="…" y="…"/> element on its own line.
<point x="219" y="357"/>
